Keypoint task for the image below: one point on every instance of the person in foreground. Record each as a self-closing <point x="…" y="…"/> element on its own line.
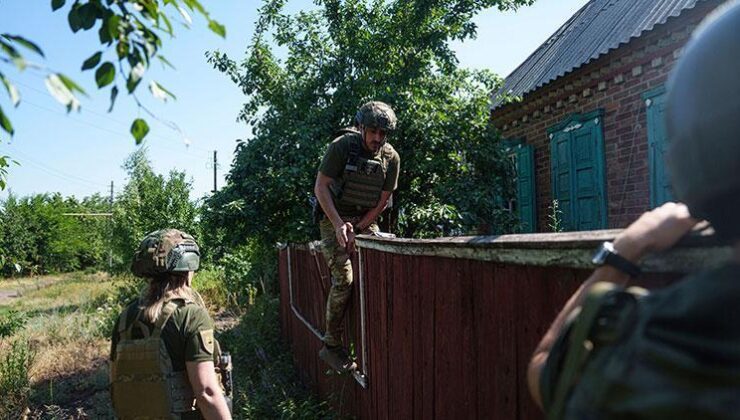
<point x="673" y="353"/>
<point x="164" y="356"/>
<point x="356" y="179"/>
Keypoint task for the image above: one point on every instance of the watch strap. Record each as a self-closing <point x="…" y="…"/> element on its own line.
<point x="622" y="264"/>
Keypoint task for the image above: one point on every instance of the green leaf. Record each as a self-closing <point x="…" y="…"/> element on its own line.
<point x="15" y="97"/>
<point x="92" y="61"/>
<point x="105" y="74"/>
<point x="167" y="24"/>
<point x="71" y="85"/>
<point x="139" y="129"/>
<point x="113" y="24"/>
<point x="15" y="56"/>
<point x="5" y="123"/>
<point x="24" y="42"/>
<point x="73" y="17"/>
<point x="56" y="5"/>
<point x="135" y="77"/>
<point x="87" y="15"/>
<point x="159" y="92"/>
<point x="113" y="96"/>
<point x="166" y="62"/>
<point x="59" y="90"/>
<point x="218" y="28"/>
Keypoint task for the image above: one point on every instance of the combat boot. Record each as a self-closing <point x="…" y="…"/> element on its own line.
<point x="337" y="358"/>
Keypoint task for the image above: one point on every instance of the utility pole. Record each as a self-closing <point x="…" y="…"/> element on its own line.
<point x="110" y="230"/>
<point x="215" y="167"/>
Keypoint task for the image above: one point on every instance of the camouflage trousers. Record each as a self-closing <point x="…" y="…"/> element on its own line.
<point x="340" y="266"/>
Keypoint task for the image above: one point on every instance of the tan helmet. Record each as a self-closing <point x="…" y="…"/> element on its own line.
<point x="703" y="121"/>
<point x="376" y="114"/>
<point x="166" y="251"/>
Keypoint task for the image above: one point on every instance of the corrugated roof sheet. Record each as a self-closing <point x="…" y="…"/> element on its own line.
<point x="597" y="28"/>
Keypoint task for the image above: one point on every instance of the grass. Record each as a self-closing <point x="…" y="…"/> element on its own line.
<point x="54" y="345"/>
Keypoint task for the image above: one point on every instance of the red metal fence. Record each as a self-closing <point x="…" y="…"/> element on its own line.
<point x="443" y="329"/>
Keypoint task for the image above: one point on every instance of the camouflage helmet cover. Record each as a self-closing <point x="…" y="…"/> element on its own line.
<point x="703" y="105"/>
<point x="165" y="251"/>
<point x="376" y="114"/>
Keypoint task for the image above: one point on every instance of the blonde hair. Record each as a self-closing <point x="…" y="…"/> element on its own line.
<point x="163" y="289"/>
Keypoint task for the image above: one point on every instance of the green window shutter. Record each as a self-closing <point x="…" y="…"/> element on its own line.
<point x="526" y="199"/>
<point x="660" y="186"/>
<point x="561" y="177"/>
<point x="588" y="176"/>
<point x="578" y="172"/>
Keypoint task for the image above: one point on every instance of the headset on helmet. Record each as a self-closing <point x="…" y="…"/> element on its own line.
<point x="703" y="121"/>
<point x="166" y="251"/>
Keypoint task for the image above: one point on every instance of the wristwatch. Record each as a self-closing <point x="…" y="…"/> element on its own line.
<point x="606" y="254"/>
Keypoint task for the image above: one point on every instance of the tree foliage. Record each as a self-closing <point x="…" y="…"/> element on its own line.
<point x="130" y="36"/>
<point x="453" y="174"/>
<point x="38" y="234"/>
<point x="149" y="202"/>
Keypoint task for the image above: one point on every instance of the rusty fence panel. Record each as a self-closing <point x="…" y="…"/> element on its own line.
<point x="444" y="328"/>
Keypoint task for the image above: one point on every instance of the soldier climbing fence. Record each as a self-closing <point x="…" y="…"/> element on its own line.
<point x="444" y="328"/>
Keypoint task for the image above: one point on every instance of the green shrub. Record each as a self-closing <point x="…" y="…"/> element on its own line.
<point x="210" y="284"/>
<point x="15" y="384"/>
<point x="11" y="322"/>
<point x="266" y="384"/>
<point x="248" y="270"/>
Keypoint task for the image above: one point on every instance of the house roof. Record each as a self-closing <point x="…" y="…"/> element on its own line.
<point x="597" y="28"/>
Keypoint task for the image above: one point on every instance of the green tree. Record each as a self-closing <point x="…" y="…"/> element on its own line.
<point x="129" y="32"/>
<point x="150" y="202"/>
<point x="339" y="56"/>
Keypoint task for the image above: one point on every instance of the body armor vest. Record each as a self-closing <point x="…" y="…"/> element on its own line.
<point x="143" y="383"/>
<point x="362" y="181"/>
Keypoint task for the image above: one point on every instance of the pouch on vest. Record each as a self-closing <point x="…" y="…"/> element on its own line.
<point x="607" y="314"/>
<point x="143" y="383"/>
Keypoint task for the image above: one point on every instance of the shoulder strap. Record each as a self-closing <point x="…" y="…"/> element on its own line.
<point x="167" y="311"/>
<point x="354" y="153"/>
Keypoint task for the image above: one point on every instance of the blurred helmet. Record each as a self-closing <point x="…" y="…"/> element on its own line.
<point x="375" y="114"/>
<point x="703" y="121"/>
<point x="166" y="251"/>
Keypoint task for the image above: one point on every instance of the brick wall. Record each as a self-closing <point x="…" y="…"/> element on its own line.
<point x="614" y="83"/>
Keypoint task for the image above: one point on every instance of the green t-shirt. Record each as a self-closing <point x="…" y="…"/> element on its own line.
<point x="336" y="158"/>
<point x="181" y="334"/>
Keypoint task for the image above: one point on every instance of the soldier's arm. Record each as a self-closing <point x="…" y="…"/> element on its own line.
<point x="323" y="194"/>
<point x="208" y="395"/>
<point x="656" y="230"/>
<point x="373" y="213"/>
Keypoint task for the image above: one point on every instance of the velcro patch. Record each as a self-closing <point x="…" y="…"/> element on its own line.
<point x="207" y="340"/>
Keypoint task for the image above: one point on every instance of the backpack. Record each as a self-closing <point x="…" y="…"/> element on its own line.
<point x="143" y="383"/>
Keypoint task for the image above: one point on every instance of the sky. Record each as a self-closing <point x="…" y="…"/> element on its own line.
<point x="81" y="153"/>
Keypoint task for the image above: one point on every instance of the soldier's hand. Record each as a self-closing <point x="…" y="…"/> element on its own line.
<point x="342" y="233"/>
<point x="655" y="230"/>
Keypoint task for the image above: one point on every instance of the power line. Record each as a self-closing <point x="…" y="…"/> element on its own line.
<point x="57" y="173"/>
<point x="168" y="124"/>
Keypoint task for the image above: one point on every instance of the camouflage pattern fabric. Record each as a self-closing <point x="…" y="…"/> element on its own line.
<point x="678" y="359"/>
<point x="340" y="266"/>
<point x="165" y="251"/>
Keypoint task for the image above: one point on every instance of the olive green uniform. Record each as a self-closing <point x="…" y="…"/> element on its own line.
<point x="675" y="354"/>
<point x="187" y="336"/>
<point x="360" y="192"/>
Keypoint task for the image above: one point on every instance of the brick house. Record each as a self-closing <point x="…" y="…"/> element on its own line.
<point x="588" y="129"/>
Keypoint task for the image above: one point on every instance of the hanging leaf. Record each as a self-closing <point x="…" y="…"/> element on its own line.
<point x="218" y="28"/>
<point x="165" y="62"/>
<point x="92" y="61"/>
<point x="24" y="42"/>
<point x="139" y="129"/>
<point x="159" y="92"/>
<point x="5" y="123"/>
<point x="71" y="85"/>
<point x="135" y="77"/>
<point x="105" y="74"/>
<point x="113" y="96"/>
<point x="73" y="17"/>
<point x="185" y="15"/>
<point x="15" y="97"/>
<point x="56" y="5"/>
<point x="61" y="92"/>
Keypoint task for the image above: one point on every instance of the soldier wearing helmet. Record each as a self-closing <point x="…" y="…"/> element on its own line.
<point x="357" y="176"/>
<point x="165" y="361"/>
<point x="673" y="353"/>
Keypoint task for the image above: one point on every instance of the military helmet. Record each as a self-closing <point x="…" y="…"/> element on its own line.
<point x="703" y="120"/>
<point x="166" y="251"/>
<point x="377" y="114"/>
